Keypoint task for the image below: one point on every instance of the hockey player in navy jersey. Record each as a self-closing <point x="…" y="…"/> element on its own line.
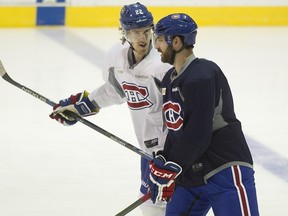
<point x="205" y="156"/>
<point x="133" y="72"/>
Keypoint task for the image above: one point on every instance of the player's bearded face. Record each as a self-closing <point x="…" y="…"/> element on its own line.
<point x="140" y="38"/>
<point x="168" y="55"/>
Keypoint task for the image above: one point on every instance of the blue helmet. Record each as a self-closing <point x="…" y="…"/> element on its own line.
<point x="135" y="16"/>
<point x="178" y="24"/>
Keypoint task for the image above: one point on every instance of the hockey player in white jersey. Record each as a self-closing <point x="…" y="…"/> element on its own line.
<point x="133" y="71"/>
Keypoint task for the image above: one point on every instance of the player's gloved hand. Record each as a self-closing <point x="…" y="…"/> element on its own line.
<point x="162" y="178"/>
<point x="79" y="104"/>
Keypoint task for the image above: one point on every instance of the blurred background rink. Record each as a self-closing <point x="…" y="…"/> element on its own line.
<point x="57" y="48"/>
<point x="50" y="170"/>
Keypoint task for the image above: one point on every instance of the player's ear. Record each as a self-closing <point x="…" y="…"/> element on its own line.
<point x="177" y="43"/>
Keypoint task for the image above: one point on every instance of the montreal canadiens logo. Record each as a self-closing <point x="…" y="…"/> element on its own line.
<point x="137" y="96"/>
<point x="172" y="113"/>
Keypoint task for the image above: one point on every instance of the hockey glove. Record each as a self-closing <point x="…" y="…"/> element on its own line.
<point x="79" y="104"/>
<point x="162" y="178"/>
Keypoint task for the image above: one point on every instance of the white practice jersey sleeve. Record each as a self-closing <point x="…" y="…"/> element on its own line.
<point x="139" y="88"/>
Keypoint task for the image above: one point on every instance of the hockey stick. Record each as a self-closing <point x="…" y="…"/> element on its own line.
<point x="6" y="77"/>
<point x="134" y="205"/>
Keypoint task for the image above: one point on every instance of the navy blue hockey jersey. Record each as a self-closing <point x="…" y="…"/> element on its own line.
<point x="204" y="135"/>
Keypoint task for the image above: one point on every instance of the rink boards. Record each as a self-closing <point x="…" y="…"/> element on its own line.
<point x="108" y="16"/>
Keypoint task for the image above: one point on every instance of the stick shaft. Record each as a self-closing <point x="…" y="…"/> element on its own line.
<point x="134" y="205"/>
<point x="6" y="77"/>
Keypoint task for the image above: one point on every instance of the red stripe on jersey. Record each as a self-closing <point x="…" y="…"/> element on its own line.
<point x="241" y="191"/>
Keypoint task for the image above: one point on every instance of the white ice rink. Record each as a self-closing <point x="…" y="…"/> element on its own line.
<point x="47" y="169"/>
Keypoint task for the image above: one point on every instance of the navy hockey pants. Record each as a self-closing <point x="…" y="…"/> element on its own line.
<point x="229" y="192"/>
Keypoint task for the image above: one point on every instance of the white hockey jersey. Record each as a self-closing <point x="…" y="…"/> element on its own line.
<point x="137" y="86"/>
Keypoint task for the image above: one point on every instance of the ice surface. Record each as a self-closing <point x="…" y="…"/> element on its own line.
<point x="50" y="170"/>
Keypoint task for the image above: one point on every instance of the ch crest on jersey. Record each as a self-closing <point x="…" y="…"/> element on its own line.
<point x="172" y="113"/>
<point x="137" y="96"/>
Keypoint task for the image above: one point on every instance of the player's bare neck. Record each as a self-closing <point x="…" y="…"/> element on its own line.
<point x="134" y="58"/>
<point x="138" y="57"/>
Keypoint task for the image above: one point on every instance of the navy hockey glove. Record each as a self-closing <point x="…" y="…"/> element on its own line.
<point x="79" y="104"/>
<point x="162" y="178"/>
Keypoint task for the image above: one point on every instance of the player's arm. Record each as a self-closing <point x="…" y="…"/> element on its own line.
<point x="199" y="111"/>
<point x="110" y="92"/>
<point x="86" y="104"/>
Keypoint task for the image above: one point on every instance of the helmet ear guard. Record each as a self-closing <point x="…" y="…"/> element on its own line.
<point x="179" y="24"/>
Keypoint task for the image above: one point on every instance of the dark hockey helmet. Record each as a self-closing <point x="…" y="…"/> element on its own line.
<point x="178" y="24"/>
<point x="135" y="16"/>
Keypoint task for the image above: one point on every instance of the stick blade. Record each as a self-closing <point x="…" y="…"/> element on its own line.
<point x="2" y="69"/>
